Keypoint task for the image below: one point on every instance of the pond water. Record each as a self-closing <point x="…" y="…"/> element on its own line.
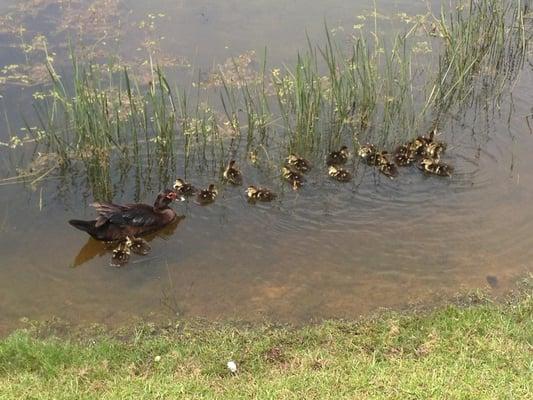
<point x="326" y="251"/>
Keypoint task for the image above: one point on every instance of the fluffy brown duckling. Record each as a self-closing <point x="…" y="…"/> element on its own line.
<point x="339" y="174"/>
<point x="298" y="163"/>
<point x="295" y="178"/>
<point x="427" y="145"/>
<point x="121" y="254"/>
<point x="207" y="196"/>
<point x="259" y="194"/>
<point x="232" y="174"/>
<point x="435" y="149"/>
<point x="418" y="145"/>
<point x="338" y="157"/>
<point x="385" y="166"/>
<point x="403" y="156"/>
<point x="435" y="167"/>
<point x="183" y="188"/>
<point x="368" y="153"/>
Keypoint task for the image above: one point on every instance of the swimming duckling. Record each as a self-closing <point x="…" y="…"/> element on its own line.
<point x="253" y="193"/>
<point x="339" y="174"/>
<point x="338" y="157"/>
<point x="139" y="246"/>
<point x="184" y="188"/>
<point x="388" y="169"/>
<point x="403" y="156"/>
<point x="368" y="153"/>
<point x="121" y="254"/>
<point x="293" y="177"/>
<point x="232" y="174"/>
<point x="418" y="145"/>
<point x="435" y="149"/>
<point x="385" y="166"/>
<point x="298" y="163"/>
<point x="435" y="167"/>
<point x="207" y="196"/>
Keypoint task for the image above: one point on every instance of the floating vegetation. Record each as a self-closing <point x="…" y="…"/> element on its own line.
<point x="373" y="90"/>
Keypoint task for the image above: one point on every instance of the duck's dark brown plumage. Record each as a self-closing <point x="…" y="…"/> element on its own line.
<point x="117" y="222"/>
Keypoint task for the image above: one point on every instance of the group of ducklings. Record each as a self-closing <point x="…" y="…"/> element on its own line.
<point x="295" y="167"/>
<point x="231" y="175"/>
<point x="425" y="151"/>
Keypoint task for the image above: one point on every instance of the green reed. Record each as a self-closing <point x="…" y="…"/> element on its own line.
<point x="373" y="89"/>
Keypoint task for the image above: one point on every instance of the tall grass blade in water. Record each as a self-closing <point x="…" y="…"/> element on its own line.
<point x="376" y="88"/>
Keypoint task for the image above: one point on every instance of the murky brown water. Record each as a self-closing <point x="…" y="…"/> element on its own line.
<point x="327" y="251"/>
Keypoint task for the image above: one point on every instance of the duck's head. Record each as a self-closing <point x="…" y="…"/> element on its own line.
<point x="251" y="191"/>
<point x="164" y="198"/>
<point x="179" y="183"/>
<point x="292" y="158"/>
<point x="344" y="150"/>
<point x="231" y="164"/>
<point x="286" y="170"/>
<point x="332" y="170"/>
<point x="366" y="151"/>
<point x="427" y="162"/>
<point x="212" y="188"/>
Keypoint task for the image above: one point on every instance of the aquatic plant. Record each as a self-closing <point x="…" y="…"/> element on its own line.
<point x="373" y="89"/>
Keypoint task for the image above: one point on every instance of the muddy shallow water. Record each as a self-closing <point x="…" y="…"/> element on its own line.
<point x="327" y="251"/>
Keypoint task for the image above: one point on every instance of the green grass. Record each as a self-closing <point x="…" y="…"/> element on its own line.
<point x="482" y="351"/>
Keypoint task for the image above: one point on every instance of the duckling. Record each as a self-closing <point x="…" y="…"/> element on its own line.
<point x="295" y="178"/>
<point x="298" y="163"/>
<point x="339" y="174"/>
<point x="139" y="246"/>
<point x="121" y="254"/>
<point x="403" y="156"/>
<point x="388" y="169"/>
<point x="207" y="196"/>
<point x="253" y="193"/>
<point x="184" y="188"/>
<point x="418" y="145"/>
<point x="385" y="166"/>
<point x="338" y="157"/>
<point x="368" y="153"/>
<point x="435" y="149"/>
<point x="435" y="167"/>
<point x="232" y="174"/>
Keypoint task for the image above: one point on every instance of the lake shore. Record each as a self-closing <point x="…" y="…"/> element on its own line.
<point x="473" y="348"/>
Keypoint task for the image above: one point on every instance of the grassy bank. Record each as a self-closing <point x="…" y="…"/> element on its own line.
<point x="482" y="351"/>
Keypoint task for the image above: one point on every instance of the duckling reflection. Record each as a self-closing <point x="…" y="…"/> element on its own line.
<point x="95" y="248"/>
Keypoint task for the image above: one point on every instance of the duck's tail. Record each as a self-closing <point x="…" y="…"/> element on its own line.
<point x="85" y="226"/>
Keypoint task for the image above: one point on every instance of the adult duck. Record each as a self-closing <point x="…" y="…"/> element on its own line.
<point x="117" y="222"/>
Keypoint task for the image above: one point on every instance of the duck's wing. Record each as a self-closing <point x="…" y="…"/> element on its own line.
<point x="128" y="214"/>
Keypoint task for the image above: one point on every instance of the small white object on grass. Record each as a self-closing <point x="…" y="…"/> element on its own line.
<point x="157" y="358"/>
<point x="232" y="366"/>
